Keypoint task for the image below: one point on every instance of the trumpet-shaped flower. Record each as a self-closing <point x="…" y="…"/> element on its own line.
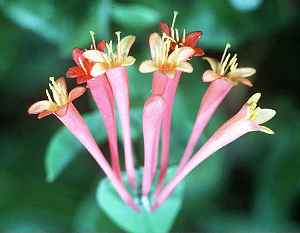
<point x="110" y="57"/>
<point x="165" y="62"/>
<point x="248" y="119"/>
<point x="58" y="103"/>
<point x="228" y="69"/>
<point x="187" y="40"/>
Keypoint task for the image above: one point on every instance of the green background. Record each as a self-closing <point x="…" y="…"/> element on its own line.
<point x="250" y="186"/>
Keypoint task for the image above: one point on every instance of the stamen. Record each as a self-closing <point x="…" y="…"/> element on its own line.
<point x="224" y="64"/>
<point x="93" y="39"/>
<point x="225" y="52"/>
<point x="48" y="96"/>
<point x="175" y="13"/>
<point x="177" y="34"/>
<point x="183" y="36"/>
<point x="118" y="44"/>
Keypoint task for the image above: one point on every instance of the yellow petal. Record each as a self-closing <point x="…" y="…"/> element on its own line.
<point x="40" y="106"/>
<point x="147" y="67"/>
<point x="94" y="55"/>
<point x="125" y="44"/>
<point x="241" y="73"/>
<point x="98" y="69"/>
<point x="213" y="63"/>
<point x="264" y="115"/>
<point x="128" y="61"/>
<point x="76" y="92"/>
<point x="156" y="44"/>
<point x="254" y="98"/>
<point x="266" y="130"/>
<point x="185" y="67"/>
<point x="180" y="55"/>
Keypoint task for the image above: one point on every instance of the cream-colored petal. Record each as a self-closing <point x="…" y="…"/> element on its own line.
<point x="264" y="115"/>
<point x="266" y="130"/>
<point x="214" y="63"/>
<point x="180" y="55"/>
<point x="209" y="76"/>
<point x="40" y="106"/>
<point x="76" y="92"/>
<point x="254" y="98"/>
<point x="62" y="82"/>
<point x="156" y="44"/>
<point x="147" y="67"/>
<point x="185" y="67"/>
<point x="245" y="81"/>
<point x="94" y="55"/>
<point x="125" y="44"/>
<point x="128" y="61"/>
<point x="98" y="69"/>
<point x="241" y="73"/>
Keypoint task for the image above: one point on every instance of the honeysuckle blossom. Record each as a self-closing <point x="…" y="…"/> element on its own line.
<point x="187" y="40"/>
<point x="250" y="118"/>
<point x="61" y="105"/>
<point x="223" y="76"/>
<point x="114" y="64"/>
<point x="103" y="97"/>
<point x="60" y="100"/>
<point x="110" y="57"/>
<point x="165" y="62"/>
<point x="228" y="69"/>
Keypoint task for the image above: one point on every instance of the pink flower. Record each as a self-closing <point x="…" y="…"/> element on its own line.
<point x="248" y="119"/>
<point x="61" y="105"/>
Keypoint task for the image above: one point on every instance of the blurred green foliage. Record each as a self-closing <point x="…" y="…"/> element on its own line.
<point x="250" y="186"/>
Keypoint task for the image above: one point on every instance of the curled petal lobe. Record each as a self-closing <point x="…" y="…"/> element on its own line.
<point x="266" y="130"/>
<point x="128" y="61"/>
<point x="125" y="44"/>
<point x="40" y="106"/>
<point x="212" y="62"/>
<point x="98" y="69"/>
<point x="192" y="38"/>
<point x="181" y="54"/>
<point x="241" y="73"/>
<point x="147" y="67"/>
<point x="94" y="55"/>
<point x="264" y="115"/>
<point x="44" y="114"/>
<point x="76" y="54"/>
<point x="165" y="28"/>
<point x="76" y="92"/>
<point x="156" y="45"/>
<point x="198" y="52"/>
<point x="210" y="76"/>
<point x="185" y="67"/>
<point x="62" y="82"/>
<point x="74" y="72"/>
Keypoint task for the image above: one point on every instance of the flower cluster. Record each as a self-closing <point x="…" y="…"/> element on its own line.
<point x="103" y="70"/>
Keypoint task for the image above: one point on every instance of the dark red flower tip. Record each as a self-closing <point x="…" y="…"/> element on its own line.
<point x="198" y="52"/>
<point x="76" y="54"/>
<point x="101" y="45"/>
<point x="165" y="28"/>
<point x="192" y="38"/>
<point x="74" y="72"/>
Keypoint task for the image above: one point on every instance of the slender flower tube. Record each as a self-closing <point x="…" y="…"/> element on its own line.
<point x="223" y="76"/>
<point x="152" y="118"/>
<point x="248" y="119"/>
<point x="103" y="97"/>
<point x="114" y="63"/>
<point x="60" y="104"/>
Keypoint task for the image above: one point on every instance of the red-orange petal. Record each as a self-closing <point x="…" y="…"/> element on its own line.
<point x="76" y="54"/>
<point x="74" y="72"/>
<point x="165" y="28"/>
<point x="198" y="52"/>
<point x="101" y="45"/>
<point x="192" y="38"/>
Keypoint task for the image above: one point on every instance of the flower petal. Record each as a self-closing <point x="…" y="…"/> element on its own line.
<point x="128" y="61"/>
<point x="62" y="82"/>
<point x="180" y="55"/>
<point x="147" y="67"/>
<point x="192" y="38"/>
<point x="254" y="98"/>
<point x="209" y="76"/>
<point x="264" y="115"/>
<point x="214" y="63"/>
<point x="40" y="106"/>
<point x="44" y="114"/>
<point x="94" y="55"/>
<point x="76" y="92"/>
<point x="241" y="73"/>
<point x="185" y="67"/>
<point x="125" y="44"/>
<point x="198" y="52"/>
<point x="165" y="28"/>
<point x="266" y="130"/>
<point x="98" y="69"/>
<point x="101" y="45"/>
<point x="245" y="81"/>
<point x="156" y="43"/>
<point x="74" y="72"/>
<point x="76" y="53"/>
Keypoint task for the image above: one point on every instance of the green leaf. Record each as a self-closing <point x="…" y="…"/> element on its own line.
<point x="134" y="15"/>
<point x="64" y="147"/>
<point x="160" y="220"/>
